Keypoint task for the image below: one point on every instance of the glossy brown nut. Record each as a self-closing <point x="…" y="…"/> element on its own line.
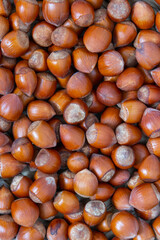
<point x="37" y="231"/>
<point x="147" y="20"/>
<point x="149" y="169"/>
<point x="77" y="161"/>
<point x="139" y="196"/>
<point x="149" y="214"/>
<point x="55" y="48"/>
<point x="110" y="78"/>
<point x="10" y="167"/>
<point x="24" y="98"/>
<point x="147" y="36"/>
<point x="76" y="230"/>
<point x="111" y="117"/>
<point x="20" y="186"/>
<point x="132" y="111"/>
<point x="66" y="180"/>
<point x="17" y="24"/>
<point x="48" y="161"/>
<point x="100" y="135"/>
<point x="130" y="79"/>
<point x="157" y="184"/>
<point x="40" y="14"/>
<point x="11" y="107"/>
<point x="66" y="202"/>
<point x="129" y="55"/>
<point x="59" y="101"/>
<point x="32" y="47"/>
<point x="41" y="33"/>
<point x="102" y="167"/>
<point x="150" y="122"/>
<point x="40" y="110"/>
<point x="59" y="63"/>
<point x="92" y="102"/>
<point x="128" y="225"/>
<point x="24" y="212"/>
<point x="131" y="95"/>
<point x="20" y="127"/>
<point x="89" y="120"/>
<point x="5" y="8"/>
<point x="8" y="227"/>
<point x="120" y="199"/>
<point x="148" y="55"/>
<point x="105" y="225"/>
<point x="79" y="85"/>
<point x="4" y="139"/>
<point x="95" y="3"/>
<point x="153" y="146"/>
<point x="128" y="134"/>
<point x="69" y="23"/>
<point x="46" y="85"/>
<point x="155" y="75"/>
<point x="6" y="199"/>
<point x="55" y="12"/>
<point x="7" y="62"/>
<point x="134" y="181"/>
<point x="147" y="76"/>
<point x="4" y="27"/>
<point x="38" y="60"/>
<point x="110" y="63"/>
<point x="38" y="174"/>
<point x="64" y="80"/>
<point x="156" y="225"/>
<point x="114" y="10"/>
<point x="75" y="112"/>
<point x="6" y="148"/>
<point x="4" y="125"/>
<point x="64" y="154"/>
<point x="124" y="33"/>
<point x="55" y="124"/>
<point x="14" y="44"/>
<point x="88" y="150"/>
<point x="123" y="157"/>
<point x="141" y="152"/>
<point x="149" y="94"/>
<point x="94" y="212"/>
<point x="145" y="230"/>
<point x="42" y="190"/>
<point x="21" y="64"/>
<point x="101" y="19"/>
<point x="91" y="183"/>
<point x="72" y="137"/>
<point x="108" y="150"/>
<point x="75" y="217"/>
<point x="42" y="135"/>
<point x="95" y="76"/>
<point x="64" y="37"/>
<point x="83" y="60"/>
<point x="97" y="38"/>
<point x="22" y="150"/>
<point x="47" y="211"/>
<point x="26" y="80"/>
<point x="57" y="230"/>
<point x="27" y="10"/>
<point x="157" y="21"/>
<point x="120" y="177"/>
<point x="82" y="13"/>
<point x="108" y="94"/>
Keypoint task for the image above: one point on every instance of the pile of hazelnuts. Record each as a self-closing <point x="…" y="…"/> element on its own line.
<point x="79" y="120"/>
